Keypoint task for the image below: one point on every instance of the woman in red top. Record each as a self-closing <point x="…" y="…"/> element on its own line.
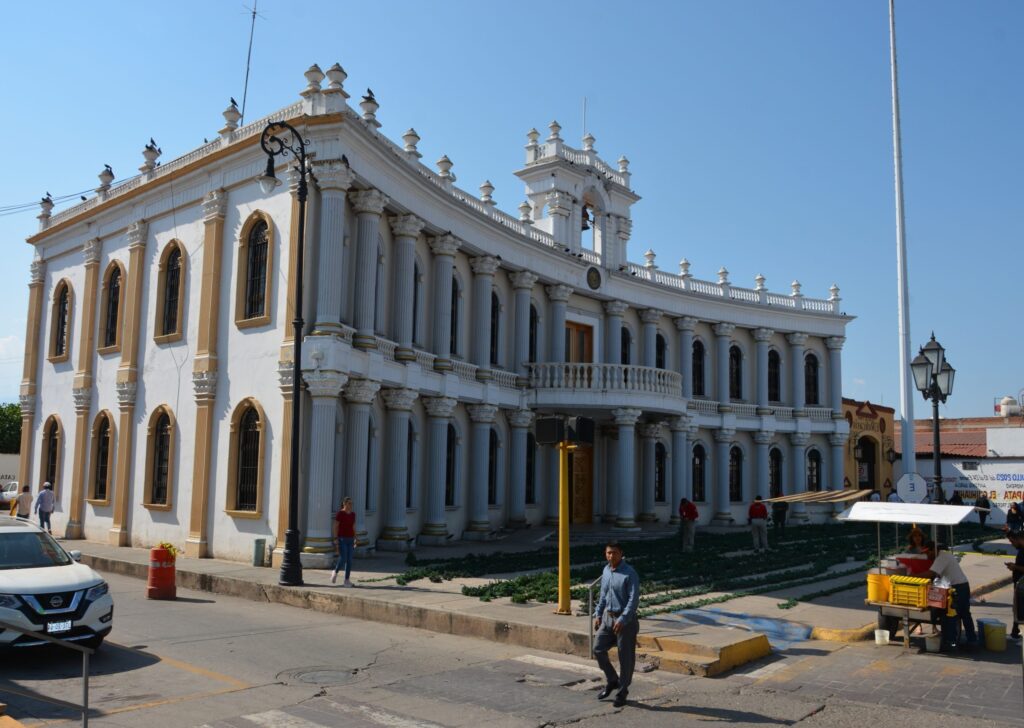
<point x="344" y="530"/>
<point x="688" y="522"/>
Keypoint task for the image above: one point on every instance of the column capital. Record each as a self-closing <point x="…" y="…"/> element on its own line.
<point x="126" y="393"/>
<point x="650" y="315"/>
<point x="626" y="416"/>
<point x="523" y="279"/>
<point x="482" y="413"/>
<point x="799" y="438"/>
<point x="91" y="251"/>
<point x="559" y="293"/>
<point x="796" y="339"/>
<point x="215" y="205"/>
<point x="36" y="272"/>
<point x="838" y="439"/>
<point x="361" y="391"/>
<point x="485" y="265"/>
<point x="764" y="437"/>
<point x="615" y="308"/>
<point x="723" y="329"/>
<point x="440" y="407"/>
<point x="763" y="335"/>
<point x="83" y="399"/>
<point x="649" y="429"/>
<point x="520" y="418"/>
<point x="27" y="403"/>
<point x="324" y="382"/>
<point x="400" y="400"/>
<point x="835" y="343"/>
<point x="137" y="233"/>
<point x="285" y="374"/>
<point x="686" y="323"/>
<point x="446" y="244"/>
<point x="333" y="174"/>
<point x="680" y="424"/>
<point x="407" y="226"/>
<point x="369" y="201"/>
<point x="725" y="434"/>
<point x="559" y="203"/>
<point x="204" y="385"/>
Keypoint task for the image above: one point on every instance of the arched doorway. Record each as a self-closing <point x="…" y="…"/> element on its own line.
<point x="866" y="454"/>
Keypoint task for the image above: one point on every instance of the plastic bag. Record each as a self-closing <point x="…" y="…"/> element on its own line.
<point x="942" y="582"/>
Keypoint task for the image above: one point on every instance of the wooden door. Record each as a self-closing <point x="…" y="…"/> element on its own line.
<point x="579" y="343"/>
<point x="581" y="484"/>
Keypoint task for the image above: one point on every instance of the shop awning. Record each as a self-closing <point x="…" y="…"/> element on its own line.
<point x="821" y="496"/>
<point x="920" y="513"/>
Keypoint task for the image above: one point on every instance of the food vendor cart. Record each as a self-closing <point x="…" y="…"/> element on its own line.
<point x="908" y="600"/>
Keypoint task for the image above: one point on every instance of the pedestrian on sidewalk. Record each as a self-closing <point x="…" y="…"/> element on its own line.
<point x="23" y="502"/>
<point x="757" y="518"/>
<point x="44" y="507"/>
<point x="1014" y="519"/>
<point x="982" y="501"/>
<point x="1017" y="569"/>
<point x="344" y="531"/>
<point x="687" y="523"/>
<point x="945" y="564"/>
<point x="615" y="620"/>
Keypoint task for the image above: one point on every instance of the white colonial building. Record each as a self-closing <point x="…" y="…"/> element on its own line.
<point x="157" y="381"/>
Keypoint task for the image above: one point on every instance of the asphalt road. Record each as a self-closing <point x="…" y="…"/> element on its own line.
<point x="208" y="660"/>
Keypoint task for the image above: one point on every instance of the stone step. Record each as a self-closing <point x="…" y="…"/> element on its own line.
<point x="701" y="649"/>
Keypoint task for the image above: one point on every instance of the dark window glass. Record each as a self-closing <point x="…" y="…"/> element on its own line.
<point x="735" y="475"/>
<point x="735" y="373"/>
<point x="453" y="343"/>
<point x="698" y="369"/>
<point x="534" y="323"/>
<point x="60" y="341"/>
<point x="172" y="292"/>
<point x="660" y="348"/>
<point x="775" y="473"/>
<point x="495" y="331"/>
<point x="248" y="459"/>
<point x="449" y="467"/>
<point x="811" y="379"/>
<point x="660" y="474"/>
<point x="102" y="456"/>
<point x="627" y="341"/>
<point x="492" y="469"/>
<point x="774" y="377"/>
<point x="698" y="473"/>
<point x="161" y="458"/>
<point x="814" y="470"/>
<point x="410" y="452"/>
<point x="370" y="455"/>
<point x="378" y="301"/>
<point x="113" y="301"/>
<point x="415" y="302"/>
<point x="531" y="468"/>
<point x="52" y="444"/>
<point x="256" y="272"/>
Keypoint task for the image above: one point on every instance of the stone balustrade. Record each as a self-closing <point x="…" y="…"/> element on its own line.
<point x="604" y="377"/>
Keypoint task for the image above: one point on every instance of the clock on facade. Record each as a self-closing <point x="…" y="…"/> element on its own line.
<point x="593" y="278"/>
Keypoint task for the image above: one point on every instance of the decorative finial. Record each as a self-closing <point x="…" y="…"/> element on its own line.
<point x="151" y="152"/>
<point x="533" y="135"/>
<point x="46" y="205"/>
<point x="369" y="106"/>
<point x="106" y="177"/>
<point x="723" y="276"/>
<point x="555" y="127"/>
<point x="834" y="293"/>
<point x="486" y="190"/>
<point x="649" y="256"/>
<point x="684" y="268"/>
<point x="588" y="143"/>
<point x="759" y="282"/>
<point x="231" y="117"/>
<point x="411" y="139"/>
<point x="444" y="167"/>
<point x="336" y="80"/>
<point x="524" y="211"/>
<point x="623" y="164"/>
<point x="795" y="285"/>
<point x="314" y="76"/>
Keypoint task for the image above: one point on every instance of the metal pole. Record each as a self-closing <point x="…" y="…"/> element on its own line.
<point x="936" y="456"/>
<point x="564" y="604"/>
<point x="85" y="690"/>
<point x="902" y="294"/>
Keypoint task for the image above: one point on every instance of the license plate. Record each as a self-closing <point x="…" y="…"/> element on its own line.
<point x="55" y="627"/>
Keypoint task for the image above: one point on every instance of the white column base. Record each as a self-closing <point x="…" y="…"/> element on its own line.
<point x="311" y="560"/>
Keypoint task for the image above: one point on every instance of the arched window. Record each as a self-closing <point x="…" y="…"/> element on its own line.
<point x="495" y="327"/>
<point x="775" y="473"/>
<point x="52" y="453"/>
<point x="814" y="471"/>
<point x="451" y="466"/>
<point x="531" y="468"/>
<point x="453" y="344"/>
<point x="811" y="380"/>
<point x="246" y="459"/>
<point x="774" y="376"/>
<point x="101" y="457"/>
<point x="698" y="473"/>
<point x="736" y="475"/>
<point x="660" y="472"/>
<point x="410" y="466"/>
<point x="256" y="278"/>
<point x="534" y="325"/>
<point x="61" y="319"/>
<point x="660" y="349"/>
<point x="160" y="461"/>
<point x="698" y="369"/>
<point x="492" y="468"/>
<point x="112" y="307"/>
<point x="170" y="300"/>
<point x="735" y="373"/>
<point x="627" y="344"/>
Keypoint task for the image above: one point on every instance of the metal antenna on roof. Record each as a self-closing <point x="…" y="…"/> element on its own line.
<point x="248" y="58"/>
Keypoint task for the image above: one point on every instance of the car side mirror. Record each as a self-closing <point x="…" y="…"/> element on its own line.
<point x="76" y="555"/>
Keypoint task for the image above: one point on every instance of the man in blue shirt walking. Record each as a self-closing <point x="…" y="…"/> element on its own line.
<point x="616" y="623"/>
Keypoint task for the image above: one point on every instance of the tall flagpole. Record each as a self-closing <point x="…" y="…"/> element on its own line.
<point x="903" y="297"/>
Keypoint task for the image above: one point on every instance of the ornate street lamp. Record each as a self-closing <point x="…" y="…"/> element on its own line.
<point x="933" y="377"/>
<point x="280" y="139"/>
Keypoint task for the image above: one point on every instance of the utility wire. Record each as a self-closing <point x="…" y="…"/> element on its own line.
<point x="248" y="60"/>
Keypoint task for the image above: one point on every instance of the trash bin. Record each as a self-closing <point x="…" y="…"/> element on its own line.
<point x="259" y="552"/>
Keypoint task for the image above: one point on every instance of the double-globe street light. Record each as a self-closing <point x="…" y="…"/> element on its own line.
<point x="933" y="377"/>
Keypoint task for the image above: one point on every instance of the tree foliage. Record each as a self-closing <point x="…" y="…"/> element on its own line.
<point x="10" y="427"/>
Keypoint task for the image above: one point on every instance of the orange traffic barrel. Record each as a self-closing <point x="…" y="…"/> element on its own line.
<point x="160" y="584"/>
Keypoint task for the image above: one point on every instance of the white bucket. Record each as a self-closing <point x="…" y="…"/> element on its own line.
<point x="881" y="636"/>
<point x="932" y="642"/>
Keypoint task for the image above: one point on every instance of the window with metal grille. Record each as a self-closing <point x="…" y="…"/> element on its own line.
<point x="697" y="367"/>
<point x="495" y="330"/>
<point x="775" y="473"/>
<point x="735" y="373"/>
<point x="248" y="460"/>
<point x="698" y="472"/>
<point x="534" y="324"/>
<point x="416" y="291"/>
<point x="256" y="271"/>
<point x="811" y="379"/>
<point x="531" y="468"/>
<point x="453" y="339"/>
<point x="814" y="470"/>
<point x="451" y="454"/>
<point x="60" y="340"/>
<point x="161" y="458"/>
<point x="660" y="472"/>
<point x="492" y="469"/>
<point x="774" y="377"/>
<point x="113" y="302"/>
<point x="626" y="343"/>
<point x="736" y="475"/>
<point x="410" y="453"/>
<point x="660" y="349"/>
<point x="52" y="446"/>
<point x="102" y="456"/>
<point x="172" y="292"/>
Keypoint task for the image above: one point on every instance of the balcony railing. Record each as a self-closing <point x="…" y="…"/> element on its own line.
<point x="605" y="377"/>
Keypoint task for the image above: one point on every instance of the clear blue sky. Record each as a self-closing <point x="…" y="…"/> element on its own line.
<point x="759" y="134"/>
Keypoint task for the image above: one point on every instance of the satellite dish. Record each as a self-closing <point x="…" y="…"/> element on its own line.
<point x="912" y="488"/>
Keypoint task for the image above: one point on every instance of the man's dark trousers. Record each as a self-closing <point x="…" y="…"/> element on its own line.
<point x="625" y="640"/>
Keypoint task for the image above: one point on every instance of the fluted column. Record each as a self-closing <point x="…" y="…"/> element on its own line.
<point x="796" y="366"/>
<point x="519" y="421"/>
<point x="27" y="396"/>
<point x="439" y="413"/>
<point x="482" y="416"/>
<point x="483" y="268"/>
<point x="522" y="284"/>
<point x="334" y="178"/>
<point x="650" y="317"/>
<point x="360" y="394"/>
<point x="324" y="387"/>
<point x="835" y="374"/>
<point x="406" y="229"/>
<point x="686" y="326"/>
<point x="444" y="248"/>
<point x="762" y="441"/>
<point x="837" y="441"/>
<point x="762" y="337"/>
<point x="649" y="432"/>
<point x="613" y="331"/>
<point x="559" y="297"/>
<point x="395" y="532"/>
<point x="611" y="481"/>
<point x="799" y="442"/>
<point x="723" y="508"/>
<point x="680" y="462"/>
<point x="626" y="419"/>
<point x="723" y="334"/>
<point x="369" y="205"/>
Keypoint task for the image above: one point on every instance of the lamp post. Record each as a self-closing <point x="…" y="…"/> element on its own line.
<point x="280" y="139"/>
<point x="933" y="377"/>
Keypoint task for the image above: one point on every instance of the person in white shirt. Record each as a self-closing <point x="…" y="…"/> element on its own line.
<point x="945" y="564"/>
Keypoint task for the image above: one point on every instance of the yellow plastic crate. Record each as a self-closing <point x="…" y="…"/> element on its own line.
<point x="909" y="591"/>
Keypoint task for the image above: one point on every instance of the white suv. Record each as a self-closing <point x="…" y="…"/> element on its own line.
<point x="44" y="589"/>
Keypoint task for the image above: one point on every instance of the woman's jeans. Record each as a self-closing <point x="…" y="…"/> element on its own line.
<point x="346" y="547"/>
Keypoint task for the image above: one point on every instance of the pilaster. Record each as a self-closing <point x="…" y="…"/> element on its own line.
<point x="334" y="178"/>
<point x="444" y="248"/>
<point x="406" y="229"/>
<point x="483" y="269"/>
<point x="369" y="205"/>
<point x="723" y="508"/>
<point x="395" y="532"/>
<point x="324" y="386"/>
<point x="482" y="416"/>
<point x="522" y="283"/>
<point x="439" y="412"/>
<point x="359" y="393"/>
